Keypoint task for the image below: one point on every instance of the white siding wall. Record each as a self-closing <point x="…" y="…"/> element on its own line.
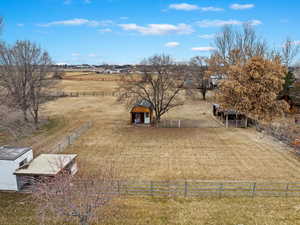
<point x="147" y="119"/>
<point x="8" y="180"/>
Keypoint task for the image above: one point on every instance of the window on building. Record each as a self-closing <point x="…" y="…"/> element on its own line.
<point x="22" y="163"/>
<point x="147" y="114"/>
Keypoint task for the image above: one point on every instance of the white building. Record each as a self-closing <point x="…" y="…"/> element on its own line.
<point x="11" y="159"/>
<point x="19" y="170"/>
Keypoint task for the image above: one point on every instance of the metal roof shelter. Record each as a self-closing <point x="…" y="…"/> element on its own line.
<point x="47" y="165"/>
<point x="12" y="153"/>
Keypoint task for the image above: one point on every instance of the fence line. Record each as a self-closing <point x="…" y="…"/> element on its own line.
<point x="70" y="139"/>
<point x="61" y="94"/>
<point x="207" y="189"/>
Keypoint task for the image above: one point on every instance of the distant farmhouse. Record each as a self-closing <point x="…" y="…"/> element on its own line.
<point x="296" y="71"/>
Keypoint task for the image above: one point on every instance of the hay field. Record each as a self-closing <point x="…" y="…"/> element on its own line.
<point x="170" y="153"/>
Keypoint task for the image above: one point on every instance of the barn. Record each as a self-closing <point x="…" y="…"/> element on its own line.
<point x="142" y="112"/>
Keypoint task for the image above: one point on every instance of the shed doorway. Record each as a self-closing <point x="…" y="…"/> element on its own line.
<point x="138" y="118"/>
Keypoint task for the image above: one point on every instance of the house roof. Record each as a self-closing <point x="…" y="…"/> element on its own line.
<point x="47" y="164"/>
<point x="12" y="153"/>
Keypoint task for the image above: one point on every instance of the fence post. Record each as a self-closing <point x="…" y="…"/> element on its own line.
<point x="253" y="189"/>
<point x="118" y="186"/>
<point x="151" y="188"/>
<point x="287" y="190"/>
<point x="185" y="188"/>
<point x="220" y="190"/>
<point x="178" y="123"/>
<point x="69" y="140"/>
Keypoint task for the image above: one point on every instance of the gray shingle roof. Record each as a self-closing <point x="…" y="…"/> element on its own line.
<point x="12" y="153"/>
<point x="144" y="103"/>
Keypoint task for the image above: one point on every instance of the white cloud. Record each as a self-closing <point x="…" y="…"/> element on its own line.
<point x="124" y="18"/>
<point x="20" y="25"/>
<point x="92" y="55"/>
<point x="75" y="54"/>
<point x="78" y="22"/>
<point x="241" y="6"/>
<point x="254" y="22"/>
<point x="87" y="1"/>
<point x="189" y="7"/>
<point x="172" y="44"/>
<point x="220" y="23"/>
<point x="203" y="49"/>
<point x="210" y="8"/>
<point x="106" y="30"/>
<point x="158" y="29"/>
<point x="207" y="36"/>
<point x="184" y="7"/>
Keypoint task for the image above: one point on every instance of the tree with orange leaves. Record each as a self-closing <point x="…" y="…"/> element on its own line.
<point x="252" y="88"/>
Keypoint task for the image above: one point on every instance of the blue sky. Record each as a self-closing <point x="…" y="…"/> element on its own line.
<point x="126" y="31"/>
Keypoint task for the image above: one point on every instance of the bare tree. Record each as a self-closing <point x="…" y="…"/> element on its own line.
<point x="198" y="68"/>
<point x="289" y="51"/>
<point x="160" y="84"/>
<point x="234" y="46"/>
<point x="67" y="199"/>
<point x="24" y="75"/>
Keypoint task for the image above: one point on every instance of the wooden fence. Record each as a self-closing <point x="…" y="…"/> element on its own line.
<point x="93" y="78"/>
<point x="61" y="94"/>
<point x="204" y="123"/>
<point x="70" y="139"/>
<point x="207" y="189"/>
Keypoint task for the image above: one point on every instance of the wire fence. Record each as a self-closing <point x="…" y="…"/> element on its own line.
<point x="286" y="134"/>
<point x="62" y="94"/>
<point x="207" y="189"/>
<point x="70" y="139"/>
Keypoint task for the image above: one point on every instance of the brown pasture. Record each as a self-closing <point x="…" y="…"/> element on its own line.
<point x="169" y="153"/>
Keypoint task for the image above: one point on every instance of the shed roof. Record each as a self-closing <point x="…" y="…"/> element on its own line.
<point x="12" y="153"/>
<point x="47" y="164"/>
<point x="143" y="103"/>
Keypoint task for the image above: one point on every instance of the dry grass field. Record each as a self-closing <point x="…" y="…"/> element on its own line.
<point x="141" y="153"/>
<point x="18" y="209"/>
<point x="163" y="153"/>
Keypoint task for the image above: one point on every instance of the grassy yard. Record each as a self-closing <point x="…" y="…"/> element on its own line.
<point x="166" y="154"/>
<point x="17" y="209"/>
<point x="162" y="154"/>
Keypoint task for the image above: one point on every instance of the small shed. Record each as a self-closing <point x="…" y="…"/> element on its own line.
<point x="11" y="159"/>
<point x="230" y="117"/>
<point x="45" y="165"/>
<point x="142" y="112"/>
